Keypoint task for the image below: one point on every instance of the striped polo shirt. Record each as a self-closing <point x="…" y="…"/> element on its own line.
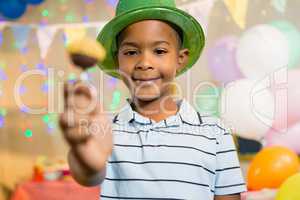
<point x="186" y="156"/>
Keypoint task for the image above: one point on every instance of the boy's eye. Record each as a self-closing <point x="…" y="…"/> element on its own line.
<point x="130" y="52"/>
<point x="160" y="51"/>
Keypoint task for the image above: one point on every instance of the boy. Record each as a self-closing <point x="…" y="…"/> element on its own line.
<point x="157" y="147"/>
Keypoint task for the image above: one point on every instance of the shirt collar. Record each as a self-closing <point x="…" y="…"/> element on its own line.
<point x="186" y="115"/>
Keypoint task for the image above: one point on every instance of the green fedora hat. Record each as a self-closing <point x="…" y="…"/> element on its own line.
<point x="131" y="11"/>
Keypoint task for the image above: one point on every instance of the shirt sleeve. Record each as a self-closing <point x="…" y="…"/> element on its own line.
<point x="229" y="178"/>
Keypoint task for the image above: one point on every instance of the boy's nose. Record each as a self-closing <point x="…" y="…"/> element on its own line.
<point x="144" y="63"/>
<point x="143" y="67"/>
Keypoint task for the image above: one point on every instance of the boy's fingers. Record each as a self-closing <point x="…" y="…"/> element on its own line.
<point x="66" y="120"/>
<point x="85" y="98"/>
<point x="69" y="88"/>
<point x="78" y="131"/>
<point x="85" y="89"/>
<point x="82" y="106"/>
<point x="62" y="122"/>
<point x="69" y="119"/>
<point x="66" y="90"/>
<point x="77" y="134"/>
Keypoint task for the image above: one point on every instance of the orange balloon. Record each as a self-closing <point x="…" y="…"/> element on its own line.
<point x="271" y="167"/>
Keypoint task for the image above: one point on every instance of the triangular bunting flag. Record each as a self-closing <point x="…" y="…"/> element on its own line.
<point x="279" y="5"/>
<point x="45" y="37"/>
<point x="21" y="33"/>
<point x="238" y="11"/>
<point x="200" y="10"/>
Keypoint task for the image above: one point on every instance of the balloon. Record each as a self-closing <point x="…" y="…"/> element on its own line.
<point x="208" y="101"/>
<point x="248" y="107"/>
<point x="289" y="190"/>
<point x="289" y="139"/>
<point x="262" y="50"/>
<point x="12" y="9"/>
<point x="287" y="95"/>
<point x="265" y="194"/>
<point x="34" y="2"/>
<point x="222" y="62"/>
<point x="271" y="167"/>
<point x="293" y="36"/>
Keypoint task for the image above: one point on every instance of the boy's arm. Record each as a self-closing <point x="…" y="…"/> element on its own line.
<point x="89" y="134"/>
<point x="82" y="174"/>
<point x="228" y="197"/>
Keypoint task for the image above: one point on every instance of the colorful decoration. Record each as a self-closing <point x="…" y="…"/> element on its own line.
<point x="271" y="167"/>
<point x="1" y="36"/>
<point x="248" y="108"/>
<point x="112" y="3"/>
<point x="45" y="36"/>
<point x="262" y="50"/>
<point x="34" y="2"/>
<point x="21" y="34"/>
<point x="279" y="5"/>
<point x="46" y="33"/>
<point x="292" y="35"/>
<point x="208" y="101"/>
<point x="112" y="82"/>
<point x="289" y="190"/>
<point x="28" y="133"/>
<point x="221" y="60"/>
<point x="238" y="10"/>
<point x="50" y="120"/>
<point x="285" y="90"/>
<point x="116" y="100"/>
<point x="46" y="169"/>
<point x="3" y="113"/>
<point x="72" y="78"/>
<point x="289" y="138"/>
<point x="45" y="87"/>
<point x="1" y="121"/>
<point x="24" y="109"/>
<point x="12" y="9"/>
<point x="200" y="10"/>
<point x="3" y="75"/>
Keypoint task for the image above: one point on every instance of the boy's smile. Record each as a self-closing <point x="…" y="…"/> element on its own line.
<point x="149" y="56"/>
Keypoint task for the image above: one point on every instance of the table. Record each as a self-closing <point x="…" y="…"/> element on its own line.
<point x="55" y="190"/>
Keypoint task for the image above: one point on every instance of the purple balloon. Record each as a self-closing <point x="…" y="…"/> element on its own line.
<point x="221" y="60"/>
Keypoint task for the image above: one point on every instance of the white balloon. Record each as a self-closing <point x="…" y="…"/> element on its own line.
<point x="262" y="50"/>
<point x="247" y="107"/>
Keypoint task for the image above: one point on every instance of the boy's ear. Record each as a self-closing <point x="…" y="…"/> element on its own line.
<point x="183" y="58"/>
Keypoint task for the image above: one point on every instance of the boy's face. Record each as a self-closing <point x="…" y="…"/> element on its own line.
<point x="149" y="56"/>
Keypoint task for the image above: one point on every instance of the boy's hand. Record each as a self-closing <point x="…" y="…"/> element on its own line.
<point x="85" y="127"/>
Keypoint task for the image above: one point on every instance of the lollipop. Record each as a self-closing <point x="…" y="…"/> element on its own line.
<point x="86" y="52"/>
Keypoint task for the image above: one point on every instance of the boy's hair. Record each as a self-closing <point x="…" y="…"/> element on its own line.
<point x="179" y="35"/>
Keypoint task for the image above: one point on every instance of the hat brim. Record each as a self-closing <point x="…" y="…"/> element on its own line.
<point x="193" y="35"/>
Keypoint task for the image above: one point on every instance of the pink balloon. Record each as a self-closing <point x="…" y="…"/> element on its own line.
<point x="289" y="139"/>
<point x="221" y="60"/>
<point x="286" y="92"/>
